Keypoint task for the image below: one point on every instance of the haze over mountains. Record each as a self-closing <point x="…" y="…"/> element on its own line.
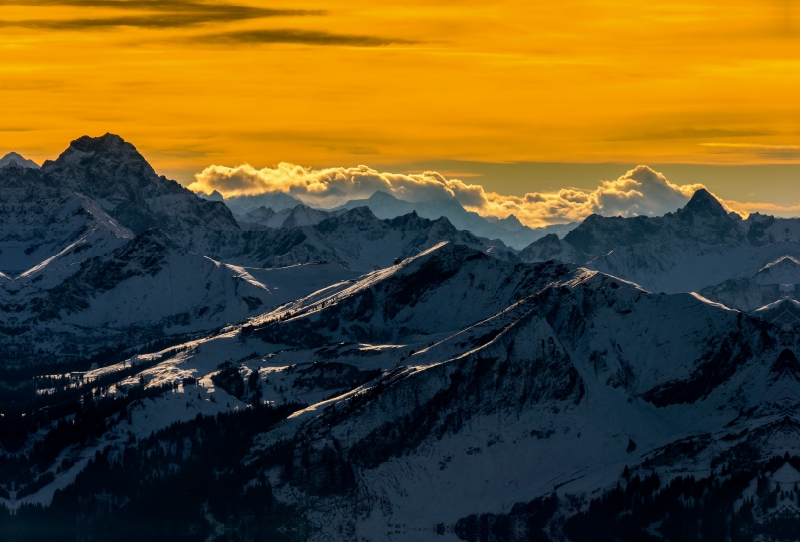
<point x="265" y="209"/>
<point x="175" y="368"/>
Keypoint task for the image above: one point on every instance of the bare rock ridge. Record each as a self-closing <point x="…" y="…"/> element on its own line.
<point x="17" y="160"/>
<point x="112" y="172"/>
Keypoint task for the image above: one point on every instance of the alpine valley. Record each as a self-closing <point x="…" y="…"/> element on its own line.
<point x="172" y="368"/>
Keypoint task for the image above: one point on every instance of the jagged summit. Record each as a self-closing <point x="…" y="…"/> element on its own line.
<point x="702" y="220"/>
<point x="101" y="164"/>
<point x="16" y="159"/>
<point x="704" y="202"/>
<point x="106" y="143"/>
<point x="113" y="173"/>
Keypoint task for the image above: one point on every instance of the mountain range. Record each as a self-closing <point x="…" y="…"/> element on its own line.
<point x="176" y="369"/>
<point x="269" y="209"/>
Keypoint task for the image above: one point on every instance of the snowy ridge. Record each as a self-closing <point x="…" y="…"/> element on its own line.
<point x="355" y="238"/>
<point x="17" y="160"/>
<point x="743" y="264"/>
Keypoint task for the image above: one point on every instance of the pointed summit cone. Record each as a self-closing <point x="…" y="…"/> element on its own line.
<point x="112" y="172"/>
<point x="704" y="203"/>
<point x="16" y="159"/>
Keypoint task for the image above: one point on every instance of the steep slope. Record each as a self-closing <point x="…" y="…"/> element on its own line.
<point x="777" y="280"/>
<point x="410" y="301"/>
<point x="51" y="232"/>
<point x="587" y="360"/>
<point x="112" y="172"/>
<point x="144" y="290"/>
<point x="502" y="387"/>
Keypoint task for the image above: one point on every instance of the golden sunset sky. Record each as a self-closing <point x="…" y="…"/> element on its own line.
<point x="457" y="86"/>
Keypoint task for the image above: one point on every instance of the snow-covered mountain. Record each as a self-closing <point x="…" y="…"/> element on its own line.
<point x="701" y="247"/>
<point x="111" y="172"/>
<point x="777" y="280"/>
<point x="454" y="389"/>
<point x="55" y="232"/>
<point x="330" y="375"/>
<point x="144" y="290"/>
<point x="299" y="215"/>
<point x="272" y="208"/>
<point x="17" y="160"/>
<point x="356" y="238"/>
<point x="76" y="280"/>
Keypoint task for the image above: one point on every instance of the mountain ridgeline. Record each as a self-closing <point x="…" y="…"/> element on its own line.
<point x="175" y="368"/>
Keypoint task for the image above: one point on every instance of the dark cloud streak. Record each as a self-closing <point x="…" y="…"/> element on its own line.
<point x="167" y="14"/>
<point x="168" y="6"/>
<point x="140" y="21"/>
<point x="306" y="37"/>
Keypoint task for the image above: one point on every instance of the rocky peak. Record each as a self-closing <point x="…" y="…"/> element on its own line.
<point x="106" y="167"/>
<point x="704" y="219"/>
<point x="112" y="172"/>
<point x="381" y="196"/>
<point x="511" y="223"/>
<point x="702" y="202"/>
<point x="16" y="159"/>
<point x="359" y="215"/>
<point x="213" y="196"/>
<point x="260" y="214"/>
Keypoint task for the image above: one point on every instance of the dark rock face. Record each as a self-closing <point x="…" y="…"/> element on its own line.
<point x="112" y="172"/>
<point x="703" y="220"/>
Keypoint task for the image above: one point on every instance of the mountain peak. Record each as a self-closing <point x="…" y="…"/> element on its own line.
<point x="703" y="202"/>
<point x="213" y="196"/>
<point x="104" y="142"/>
<point x="102" y="159"/>
<point x="380" y="195"/>
<point x="18" y="160"/>
<point x="112" y="172"/>
<point x="358" y="214"/>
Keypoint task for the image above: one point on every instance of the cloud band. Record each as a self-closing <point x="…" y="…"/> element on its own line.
<point x="640" y="191"/>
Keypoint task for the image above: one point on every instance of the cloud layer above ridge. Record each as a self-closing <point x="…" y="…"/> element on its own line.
<point x="641" y="191"/>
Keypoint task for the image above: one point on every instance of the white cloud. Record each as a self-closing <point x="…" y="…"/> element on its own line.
<point x="640" y="191"/>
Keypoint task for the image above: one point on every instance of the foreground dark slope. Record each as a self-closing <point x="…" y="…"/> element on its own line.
<point x="577" y="384"/>
<point x="500" y="421"/>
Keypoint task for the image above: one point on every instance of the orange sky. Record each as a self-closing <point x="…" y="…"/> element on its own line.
<point x="367" y="82"/>
<point x="194" y="83"/>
